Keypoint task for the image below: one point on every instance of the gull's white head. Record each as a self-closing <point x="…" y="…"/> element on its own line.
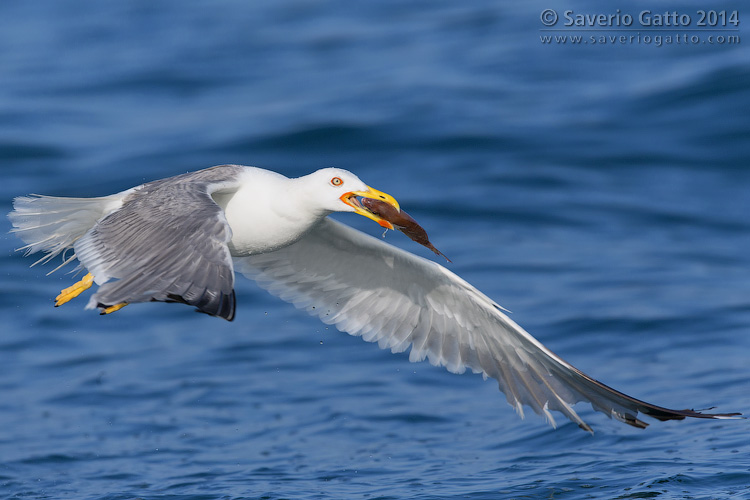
<point x="338" y="190"/>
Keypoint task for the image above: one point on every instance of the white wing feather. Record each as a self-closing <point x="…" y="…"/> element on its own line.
<point x="369" y="288"/>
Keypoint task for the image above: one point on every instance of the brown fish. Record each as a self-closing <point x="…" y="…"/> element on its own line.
<point x="401" y="221"/>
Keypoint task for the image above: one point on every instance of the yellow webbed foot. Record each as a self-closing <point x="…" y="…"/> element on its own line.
<point x="116" y="307"/>
<point x="75" y="290"/>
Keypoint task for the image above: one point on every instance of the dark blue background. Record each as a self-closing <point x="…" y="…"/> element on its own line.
<point x="602" y="193"/>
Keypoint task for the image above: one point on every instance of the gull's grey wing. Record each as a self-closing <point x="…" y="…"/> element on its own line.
<point x="168" y="242"/>
<point x="369" y="288"/>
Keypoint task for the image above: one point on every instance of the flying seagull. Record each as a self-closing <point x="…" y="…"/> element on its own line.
<point x="180" y="239"/>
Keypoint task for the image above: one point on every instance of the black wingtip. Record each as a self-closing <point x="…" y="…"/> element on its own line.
<point x="223" y="306"/>
<point x="586" y="427"/>
<point x="228" y="306"/>
<point x="665" y="414"/>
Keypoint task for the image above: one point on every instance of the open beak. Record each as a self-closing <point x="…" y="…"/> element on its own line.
<point x="350" y="199"/>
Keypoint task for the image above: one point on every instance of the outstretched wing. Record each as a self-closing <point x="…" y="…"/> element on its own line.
<point x="368" y="288"/>
<point x="167" y="242"/>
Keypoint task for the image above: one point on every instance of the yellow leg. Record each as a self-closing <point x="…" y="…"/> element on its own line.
<point x="74" y="291"/>
<point x="114" y="308"/>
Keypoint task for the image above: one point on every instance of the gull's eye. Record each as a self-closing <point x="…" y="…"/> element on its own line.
<point x="336" y="181"/>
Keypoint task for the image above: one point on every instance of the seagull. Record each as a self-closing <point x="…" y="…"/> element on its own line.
<point x="180" y="239"/>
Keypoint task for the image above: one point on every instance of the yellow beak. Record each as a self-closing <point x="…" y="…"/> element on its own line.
<point x="350" y="199"/>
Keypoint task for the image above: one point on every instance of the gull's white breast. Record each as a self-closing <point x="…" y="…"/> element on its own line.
<point x="264" y="213"/>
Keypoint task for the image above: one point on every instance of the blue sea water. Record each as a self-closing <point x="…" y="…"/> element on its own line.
<point x="600" y="192"/>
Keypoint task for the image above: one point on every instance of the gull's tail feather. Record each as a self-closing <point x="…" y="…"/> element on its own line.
<point x="52" y="224"/>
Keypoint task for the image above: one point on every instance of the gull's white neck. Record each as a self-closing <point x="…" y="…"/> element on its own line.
<point x="267" y="212"/>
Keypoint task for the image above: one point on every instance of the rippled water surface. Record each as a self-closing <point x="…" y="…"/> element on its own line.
<point x="600" y="193"/>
